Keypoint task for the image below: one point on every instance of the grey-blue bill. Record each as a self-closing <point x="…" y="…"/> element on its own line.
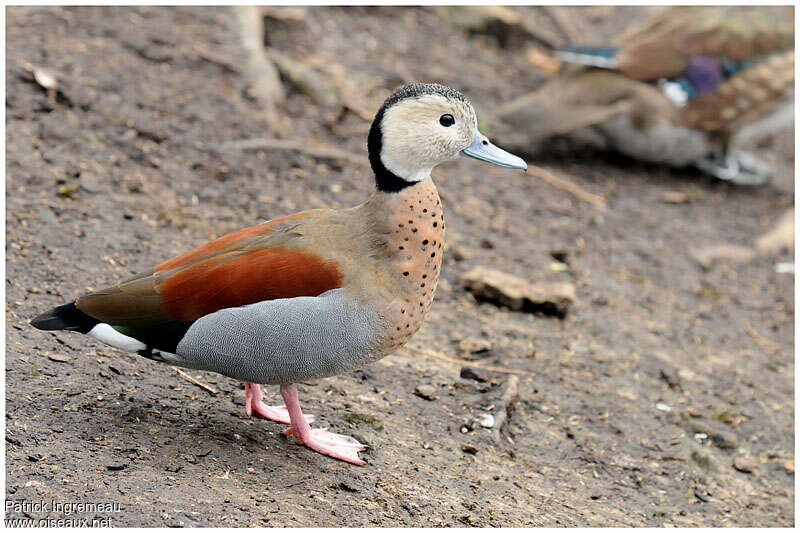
<point x="482" y="149"/>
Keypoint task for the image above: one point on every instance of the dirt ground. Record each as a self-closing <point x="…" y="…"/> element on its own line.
<point x="631" y="411"/>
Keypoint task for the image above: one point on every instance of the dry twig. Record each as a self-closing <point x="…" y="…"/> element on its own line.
<point x="761" y="340"/>
<point x="322" y="152"/>
<point x="568" y="186"/>
<point x="196" y="381"/>
<point x="509" y="396"/>
<point x="474" y="364"/>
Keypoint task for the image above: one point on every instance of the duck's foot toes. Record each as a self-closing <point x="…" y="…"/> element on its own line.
<point x="254" y="404"/>
<point x="276" y="413"/>
<point x="737" y="166"/>
<point x="342" y="447"/>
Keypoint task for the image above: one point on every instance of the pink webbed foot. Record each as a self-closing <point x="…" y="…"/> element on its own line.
<point x="333" y="445"/>
<point x="254" y="404"/>
<point x="342" y="447"/>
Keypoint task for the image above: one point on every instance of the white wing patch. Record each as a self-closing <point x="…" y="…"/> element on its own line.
<point x="108" y="335"/>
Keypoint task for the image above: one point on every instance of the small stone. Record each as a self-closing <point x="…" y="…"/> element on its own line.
<point x="724" y="439"/>
<point x="744" y="464"/>
<point x="470" y="373"/>
<point x="694" y="413"/>
<point x="500" y="288"/>
<point x="426" y="392"/>
<point x="674" y="197"/>
<point x="472" y="345"/>
<point x="116" y="466"/>
<point x="701" y="457"/>
<point x="59" y="358"/>
<point x="347" y="488"/>
<point x="788" y="466"/>
<point x="486" y="420"/>
<point x="469" y="448"/>
<point x="703" y="497"/>
<point x="663" y="407"/>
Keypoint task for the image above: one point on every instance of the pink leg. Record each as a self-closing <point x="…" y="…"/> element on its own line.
<point x="253" y="404"/>
<point x="337" y="446"/>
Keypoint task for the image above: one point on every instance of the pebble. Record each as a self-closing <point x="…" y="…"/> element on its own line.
<point x="116" y="466"/>
<point x="59" y="358"/>
<point x="486" y="420"/>
<point x="701" y="496"/>
<point x="426" y="392"/>
<point x="468" y="372"/>
<point x="744" y="464"/>
<point x="519" y="294"/>
<point x="472" y="345"/>
<point x="674" y="197"/>
<point x="469" y="448"/>
<point x="724" y="439"/>
<point x="663" y="407"/>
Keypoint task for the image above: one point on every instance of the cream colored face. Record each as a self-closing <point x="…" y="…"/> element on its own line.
<point x="416" y="139"/>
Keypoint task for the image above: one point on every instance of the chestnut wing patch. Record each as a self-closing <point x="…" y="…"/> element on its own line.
<point x="256" y="264"/>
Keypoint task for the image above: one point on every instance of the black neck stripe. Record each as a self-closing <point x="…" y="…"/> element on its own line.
<point x="385" y="179"/>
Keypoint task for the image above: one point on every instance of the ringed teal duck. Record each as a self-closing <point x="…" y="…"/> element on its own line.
<point x="308" y="295"/>
<point x="679" y="89"/>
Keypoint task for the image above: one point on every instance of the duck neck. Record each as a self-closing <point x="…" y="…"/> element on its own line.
<point x="385" y="179"/>
<point x="412" y="226"/>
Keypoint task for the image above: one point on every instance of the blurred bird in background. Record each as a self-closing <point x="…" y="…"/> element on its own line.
<point x="683" y="88"/>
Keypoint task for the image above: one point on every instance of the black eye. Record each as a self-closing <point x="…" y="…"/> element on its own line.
<point x="447" y="120"/>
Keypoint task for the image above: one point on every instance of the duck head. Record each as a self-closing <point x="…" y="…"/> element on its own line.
<point x="424" y="124"/>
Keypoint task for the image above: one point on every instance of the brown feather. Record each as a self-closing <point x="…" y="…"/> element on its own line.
<point x="230" y="241"/>
<point x="243" y="267"/>
<point x="743" y="97"/>
<point x="662" y="45"/>
<point x="239" y="278"/>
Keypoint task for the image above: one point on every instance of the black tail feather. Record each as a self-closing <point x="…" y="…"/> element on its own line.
<point x="66" y="316"/>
